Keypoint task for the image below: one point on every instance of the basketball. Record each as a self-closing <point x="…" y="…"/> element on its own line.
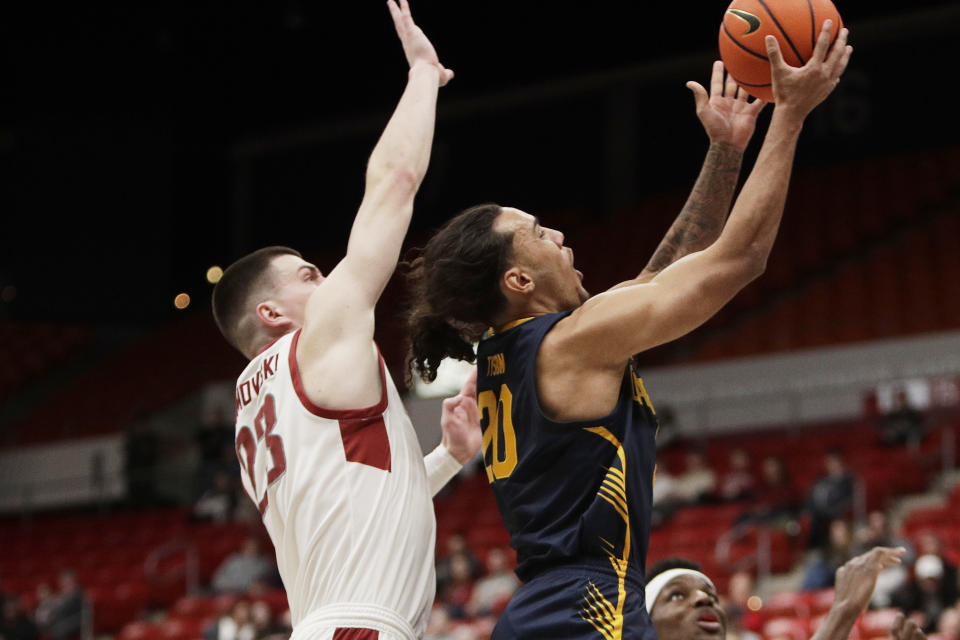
<point x="796" y="25"/>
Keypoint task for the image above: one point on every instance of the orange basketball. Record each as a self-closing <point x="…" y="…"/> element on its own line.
<point x="796" y="25"/>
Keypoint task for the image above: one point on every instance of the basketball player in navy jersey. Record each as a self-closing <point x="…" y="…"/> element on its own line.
<point x="569" y="429"/>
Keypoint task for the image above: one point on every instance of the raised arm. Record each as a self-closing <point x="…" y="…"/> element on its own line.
<point x="855" y="582"/>
<point x="395" y="170"/>
<point x="339" y="320"/>
<point x="612" y="326"/>
<point x="729" y="120"/>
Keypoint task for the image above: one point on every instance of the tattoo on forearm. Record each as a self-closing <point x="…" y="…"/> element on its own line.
<point x="702" y="217"/>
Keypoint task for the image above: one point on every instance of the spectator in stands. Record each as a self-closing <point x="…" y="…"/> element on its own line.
<point x="242" y="570"/>
<point x="877" y="532"/>
<point x="493" y="591"/>
<point x="665" y="496"/>
<point x="903" y="424"/>
<point x="698" y="483"/>
<point x="737" y="482"/>
<point x="456" y="546"/>
<point x="64" y="617"/>
<point x="46" y="603"/>
<point x="822" y="566"/>
<point x="830" y="498"/>
<point x="219" y="502"/>
<point x="930" y="593"/>
<point x="683" y="602"/>
<point x="930" y="543"/>
<point x="16" y="624"/>
<point x="457" y="593"/>
<point x="777" y="500"/>
<point x="439" y="627"/>
<point x="236" y="625"/>
<point x="286" y="623"/>
<point x="265" y="627"/>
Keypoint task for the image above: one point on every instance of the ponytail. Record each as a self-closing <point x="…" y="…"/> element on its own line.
<point x="455" y="289"/>
<point x="432" y="339"/>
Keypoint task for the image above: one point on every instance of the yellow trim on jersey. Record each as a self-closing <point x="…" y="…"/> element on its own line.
<point x="640" y="393"/>
<point x="510" y="325"/>
<point x="606" y="618"/>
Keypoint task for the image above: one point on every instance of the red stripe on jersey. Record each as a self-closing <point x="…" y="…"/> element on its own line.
<point x="342" y="633"/>
<point x="365" y="441"/>
<point x="374" y="411"/>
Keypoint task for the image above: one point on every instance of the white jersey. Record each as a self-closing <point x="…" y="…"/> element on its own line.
<point x="343" y="495"/>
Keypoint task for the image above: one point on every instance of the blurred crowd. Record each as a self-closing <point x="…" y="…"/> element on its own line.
<point x="57" y="613"/>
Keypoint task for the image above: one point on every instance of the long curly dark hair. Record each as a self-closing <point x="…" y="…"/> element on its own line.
<point x="455" y="289"/>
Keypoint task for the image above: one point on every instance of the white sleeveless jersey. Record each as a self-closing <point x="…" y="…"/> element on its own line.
<point x="343" y="494"/>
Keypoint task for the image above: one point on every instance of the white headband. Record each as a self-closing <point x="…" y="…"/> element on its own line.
<point x="661" y="579"/>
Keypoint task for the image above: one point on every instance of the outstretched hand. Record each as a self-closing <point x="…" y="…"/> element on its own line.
<point x="416" y="45"/>
<point x="800" y="89"/>
<point x="460" y="422"/>
<point x="725" y="113"/>
<point x="905" y="629"/>
<point x="857" y="578"/>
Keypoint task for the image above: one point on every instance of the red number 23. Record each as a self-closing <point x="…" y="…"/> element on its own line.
<point x="264" y="423"/>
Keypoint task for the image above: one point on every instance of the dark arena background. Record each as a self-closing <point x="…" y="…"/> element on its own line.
<point x="142" y="144"/>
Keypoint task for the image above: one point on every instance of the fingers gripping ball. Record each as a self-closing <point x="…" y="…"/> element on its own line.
<point x="796" y="25"/>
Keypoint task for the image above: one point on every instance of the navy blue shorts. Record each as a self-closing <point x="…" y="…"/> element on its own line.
<point x="580" y="601"/>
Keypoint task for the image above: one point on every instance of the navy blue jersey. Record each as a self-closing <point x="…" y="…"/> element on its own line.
<point x="567" y="491"/>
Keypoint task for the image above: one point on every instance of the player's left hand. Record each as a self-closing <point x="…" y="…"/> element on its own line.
<point x="460" y="422"/>
<point x="905" y="629"/>
<point x="856" y="580"/>
<point x="726" y="114"/>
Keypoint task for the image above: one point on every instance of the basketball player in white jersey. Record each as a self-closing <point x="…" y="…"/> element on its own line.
<point x="327" y="450"/>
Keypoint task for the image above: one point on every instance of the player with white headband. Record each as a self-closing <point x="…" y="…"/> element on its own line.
<point x="684" y="605"/>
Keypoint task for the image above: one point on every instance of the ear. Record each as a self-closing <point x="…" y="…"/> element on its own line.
<point x="270" y="315"/>
<point x="517" y="281"/>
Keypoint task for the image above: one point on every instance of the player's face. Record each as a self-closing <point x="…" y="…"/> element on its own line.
<point x="540" y="251"/>
<point x="295" y="280"/>
<point x="688" y="608"/>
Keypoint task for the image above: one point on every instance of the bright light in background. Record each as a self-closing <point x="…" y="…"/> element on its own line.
<point x="214" y="274"/>
<point x="754" y="603"/>
<point x="182" y="301"/>
<point x="450" y="377"/>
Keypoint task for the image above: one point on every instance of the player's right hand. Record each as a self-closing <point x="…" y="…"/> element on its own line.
<point x="416" y="45"/>
<point x="460" y="422"/>
<point x="799" y="89"/>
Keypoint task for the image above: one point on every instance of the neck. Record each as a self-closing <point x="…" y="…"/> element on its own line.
<point x="517" y="312"/>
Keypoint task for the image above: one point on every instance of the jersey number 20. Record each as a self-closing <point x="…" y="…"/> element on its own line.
<point x="247" y="443"/>
<point x="496" y="414"/>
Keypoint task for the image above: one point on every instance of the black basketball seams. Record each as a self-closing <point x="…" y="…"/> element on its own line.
<point x="786" y="37"/>
<point x="813" y="26"/>
<point x="749" y="84"/>
<point x="742" y="46"/>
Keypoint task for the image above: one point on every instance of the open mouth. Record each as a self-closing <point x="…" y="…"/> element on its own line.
<point x="708" y="621"/>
